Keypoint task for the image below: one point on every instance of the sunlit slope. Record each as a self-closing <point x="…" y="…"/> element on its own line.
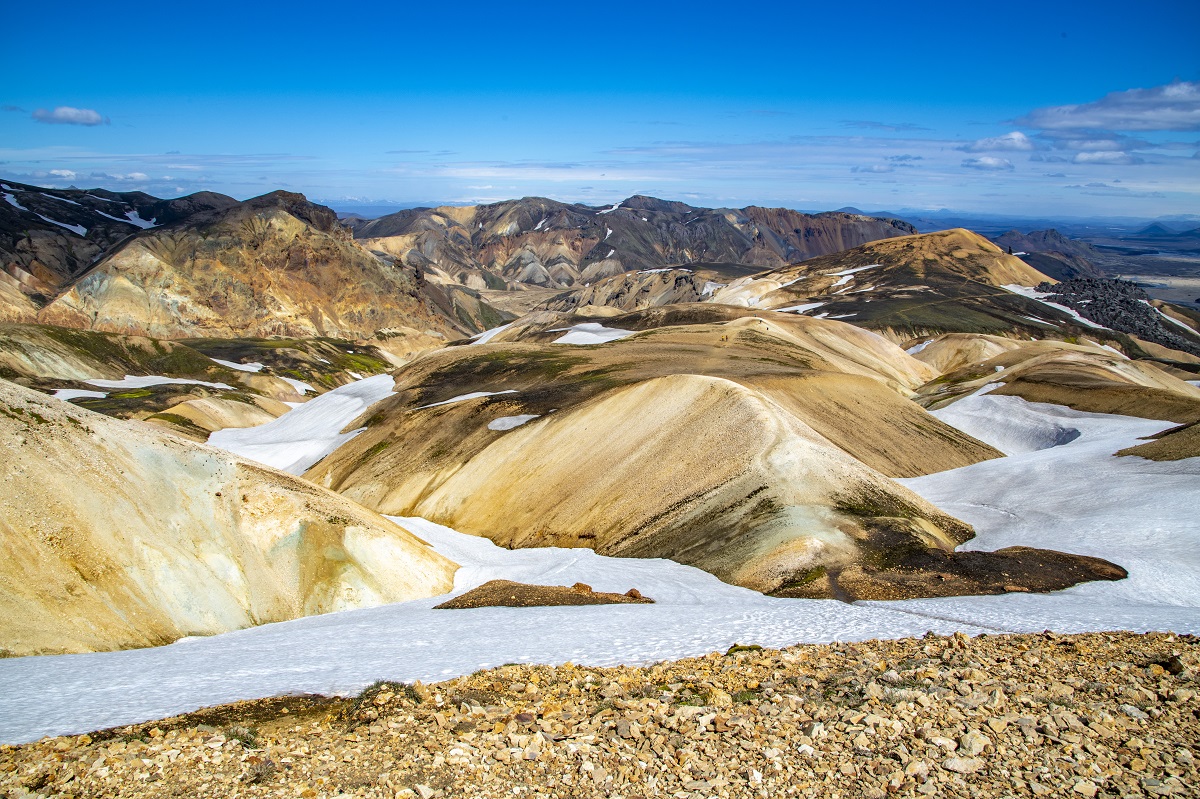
<point x="752" y="447"/>
<point x="115" y="535"/>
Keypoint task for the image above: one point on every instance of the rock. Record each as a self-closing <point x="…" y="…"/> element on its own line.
<point x="973" y="743"/>
<point x="963" y="765"/>
<point x="1085" y="788"/>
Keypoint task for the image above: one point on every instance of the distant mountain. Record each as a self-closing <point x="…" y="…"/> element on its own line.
<point x="1052" y="253"/>
<point x="209" y="266"/>
<point x="539" y="242"/>
<point x="1156" y="230"/>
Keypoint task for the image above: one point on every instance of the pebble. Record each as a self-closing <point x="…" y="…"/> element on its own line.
<point x="994" y="716"/>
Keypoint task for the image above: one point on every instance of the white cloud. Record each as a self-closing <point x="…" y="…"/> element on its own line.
<point x="66" y="115"/>
<point x="1108" y="157"/>
<point x="1015" y="141"/>
<point x="877" y="168"/>
<point x="1175" y="106"/>
<point x="988" y="163"/>
<point x="65" y="174"/>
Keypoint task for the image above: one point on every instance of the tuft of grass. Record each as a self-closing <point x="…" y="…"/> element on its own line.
<point x="743" y="648"/>
<point x="246" y="736"/>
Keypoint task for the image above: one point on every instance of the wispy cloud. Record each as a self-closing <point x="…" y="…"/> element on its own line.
<point x="905" y="158"/>
<point x="1175" y="106"/>
<point x="1011" y="142"/>
<point x="1109" y="158"/>
<point x="876" y="168"/>
<point x="988" y="163"/>
<point x="870" y="124"/>
<point x="66" y="115"/>
<point x="15" y="108"/>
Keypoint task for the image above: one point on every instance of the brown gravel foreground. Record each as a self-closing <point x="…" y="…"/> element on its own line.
<point x="1042" y="715"/>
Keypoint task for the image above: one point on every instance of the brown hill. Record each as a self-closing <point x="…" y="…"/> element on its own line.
<point x="274" y="265"/>
<point x="116" y="535"/>
<point x="540" y="242"/>
<point x="754" y="448"/>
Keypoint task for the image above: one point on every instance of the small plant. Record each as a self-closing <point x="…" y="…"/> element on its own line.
<point x="246" y="736"/>
<point x="743" y="648"/>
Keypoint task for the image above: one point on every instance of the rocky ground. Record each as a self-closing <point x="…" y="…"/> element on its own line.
<point x="1042" y="715"/>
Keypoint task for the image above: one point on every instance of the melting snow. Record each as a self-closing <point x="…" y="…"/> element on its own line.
<point x="1034" y="294"/>
<point x="13" y="201"/>
<point x="78" y="393"/>
<point x="610" y="253"/>
<point x="355" y="375"/>
<point x="242" y="367"/>
<point x="300" y="386"/>
<point x="60" y="199"/>
<point x="607" y="233"/>
<point x="845" y="275"/>
<point x="488" y="335"/>
<point x="710" y="287"/>
<point x="610" y="210"/>
<point x="145" y="381"/>
<point x="509" y="422"/>
<point x="471" y="396"/>
<point x="915" y="349"/>
<point x="1073" y="495"/>
<point x="1170" y="318"/>
<point x="590" y="333"/>
<point x="305" y="434"/>
<point x="133" y="217"/>
<point x="808" y="306"/>
<point x="538" y="226"/>
<point x="77" y="229"/>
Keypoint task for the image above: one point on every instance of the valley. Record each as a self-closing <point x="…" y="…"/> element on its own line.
<point x="252" y="436"/>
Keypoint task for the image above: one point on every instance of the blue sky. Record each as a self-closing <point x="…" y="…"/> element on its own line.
<point x="1065" y="109"/>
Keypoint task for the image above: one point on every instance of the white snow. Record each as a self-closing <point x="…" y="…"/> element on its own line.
<point x="1034" y="294"/>
<point x="13" y="202"/>
<point x="302" y="436"/>
<point x="610" y="253"/>
<point x="509" y="422"/>
<point x="488" y="335"/>
<point x="471" y="396"/>
<point x="355" y="375"/>
<point x="78" y="393"/>
<point x="78" y="229"/>
<point x="60" y="199"/>
<point x="607" y="233"/>
<point x="710" y="287"/>
<point x="241" y="367"/>
<point x="590" y="333"/>
<point x="145" y="381"/>
<point x="133" y="217"/>
<point x="665" y="269"/>
<point x="1072" y="496"/>
<point x="808" y="306"/>
<point x="845" y="275"/>
<point x="842" y="315"/>
<point x="610" y="210"/>
<point x="1170" y="318"/>
<point x="538" y="226"/>
<point x="300" y="386"/>
<point x="1195" y="383"/>
<point x="917" y="348"/>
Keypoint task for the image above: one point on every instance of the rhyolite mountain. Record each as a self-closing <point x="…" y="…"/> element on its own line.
<point x="540" y="242"/>
<point x="209" y="266"/>
<point x="48" y="237"/>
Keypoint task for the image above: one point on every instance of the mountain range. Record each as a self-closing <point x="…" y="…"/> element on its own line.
<point x="737" y="390"/>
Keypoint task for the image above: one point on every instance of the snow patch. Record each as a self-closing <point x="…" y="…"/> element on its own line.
<point x="915" y="349"/>
<point x="78" y="393"/>
<point x="471" y="396"/>
<point x="590" y="333"/>
<point x="241" y="367"/>
<point x="13" y="201"/>
<point x="1034" y="294"/>
<point x="134" y="218"/>
<point x="488" y="335"/>
<point x="710" y="287"/>
<point x="306" y="434"/>
<point x="509" y="422"/>
<point x="808" y="306"/>
<point x="145" y="381"/>
<point x="79" y="230"/>
<point x="610" y="210"/>
<point x="845" y="275"/>
<point x="300" y="386"/>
